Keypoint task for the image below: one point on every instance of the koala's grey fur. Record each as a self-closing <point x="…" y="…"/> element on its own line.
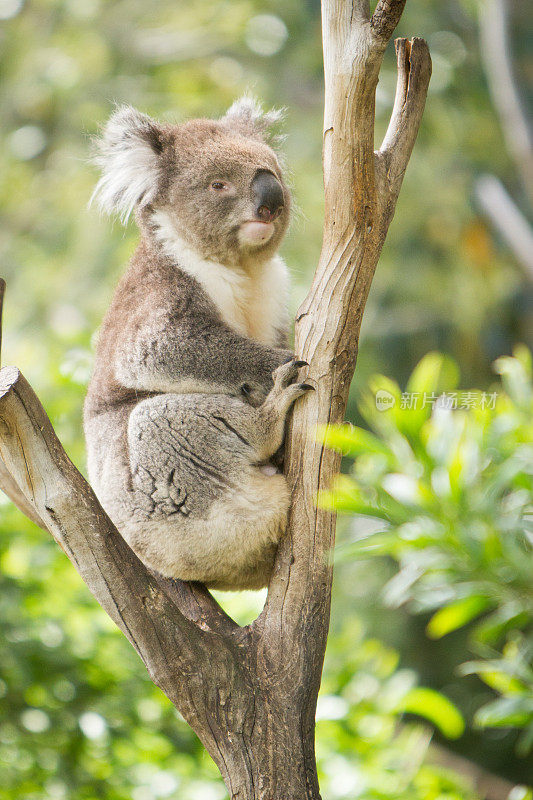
<point x="182" y="414"/>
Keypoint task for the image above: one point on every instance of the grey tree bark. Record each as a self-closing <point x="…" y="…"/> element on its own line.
<point x="250" y="692"/>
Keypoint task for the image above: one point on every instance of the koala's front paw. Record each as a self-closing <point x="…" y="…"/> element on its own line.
<point x="255" y="390"/>
<point x="273" y="413"/>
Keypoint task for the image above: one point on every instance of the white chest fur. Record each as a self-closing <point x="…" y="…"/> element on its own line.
<point x="254" y="305"/>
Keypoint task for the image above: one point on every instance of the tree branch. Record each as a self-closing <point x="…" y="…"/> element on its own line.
<point x="198" y="640"/>
<point x="358" y="210"/>
<point x="58" y="495"/>
<point x="414" y="73"/>
<point x="486" y="784"/>
<point x="386" y="17"/>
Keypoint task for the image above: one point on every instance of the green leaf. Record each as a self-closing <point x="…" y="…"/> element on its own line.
<point x="455" y="615"/>
<point x="436" y="708"/>
<point x="510" y="616"/>
<point x="345" y="495"/>
<point x="525" y="744"/>
<point x="523" y="355"/>
<point x="499" y="675"/>
<point x="350" y="440"/>
<point x="379" y="402"/>
<point x="503" y="683"/>
<point x="515" y="378"/>
<point x="435" y="373"/>
<point x="505" y="712"/>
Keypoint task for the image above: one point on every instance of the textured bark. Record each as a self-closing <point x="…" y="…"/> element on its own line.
<point x="250" y="693"/>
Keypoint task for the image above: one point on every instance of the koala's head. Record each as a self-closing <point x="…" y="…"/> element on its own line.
<point x="216" y="183"/>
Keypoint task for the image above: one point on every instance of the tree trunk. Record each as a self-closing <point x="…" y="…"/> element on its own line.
<point x="250" y="693"/>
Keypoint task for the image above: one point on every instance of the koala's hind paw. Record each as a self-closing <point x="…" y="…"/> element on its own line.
<point x="286" y="391"/>
<point x="286" y="374"/>
<point x="274" y="410"/>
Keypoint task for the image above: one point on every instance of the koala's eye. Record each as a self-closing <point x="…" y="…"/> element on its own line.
<point x="219" y="186"/>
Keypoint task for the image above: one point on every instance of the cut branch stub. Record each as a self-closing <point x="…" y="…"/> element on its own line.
<point x="414" y="73"/>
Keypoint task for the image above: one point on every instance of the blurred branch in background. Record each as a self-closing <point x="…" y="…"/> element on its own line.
<point x="497" y="60"/>
<point x="507" y="219"/>
<point x="487" y="785"/>
<point x="496" y="202"/>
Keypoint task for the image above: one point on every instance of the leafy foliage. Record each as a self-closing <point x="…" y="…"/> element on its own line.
<point x="362" y="751"/>
<point x="449" y="490"/>
<point x="79" y="717"/>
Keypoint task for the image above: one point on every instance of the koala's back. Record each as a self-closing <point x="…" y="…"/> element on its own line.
<point x="153" y="297"/>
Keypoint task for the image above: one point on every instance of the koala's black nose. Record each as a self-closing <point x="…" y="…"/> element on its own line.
<point x="268" y="196"/>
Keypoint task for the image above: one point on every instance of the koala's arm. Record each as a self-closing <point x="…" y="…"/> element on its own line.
<point x="195" y="355"/>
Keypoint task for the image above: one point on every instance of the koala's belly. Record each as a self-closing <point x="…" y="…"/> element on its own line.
<point x="184" y="492"/>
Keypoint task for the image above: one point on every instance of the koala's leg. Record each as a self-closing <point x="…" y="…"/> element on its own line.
<point x="201" y="507"/>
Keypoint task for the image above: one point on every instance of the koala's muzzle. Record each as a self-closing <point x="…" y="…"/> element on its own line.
<point x="268" y="196"/>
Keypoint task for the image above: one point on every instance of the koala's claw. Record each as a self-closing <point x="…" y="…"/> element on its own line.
<point x="291" y="393"/>
<point x="286" y="374"/>
<point x="286" y="388"/>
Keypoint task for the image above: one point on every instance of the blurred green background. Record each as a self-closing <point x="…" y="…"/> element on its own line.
<point x="79" y="718"/>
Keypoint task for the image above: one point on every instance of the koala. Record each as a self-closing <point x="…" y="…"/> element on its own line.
<point x="193" y="380"/>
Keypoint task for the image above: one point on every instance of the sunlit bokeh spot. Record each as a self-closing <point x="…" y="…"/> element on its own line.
<point x="10" y="8"/>
<point x="92" y="725"/>
<point x="266" y="34"/>
<point x="35" y="720"/>
<point x="27" y="142"/>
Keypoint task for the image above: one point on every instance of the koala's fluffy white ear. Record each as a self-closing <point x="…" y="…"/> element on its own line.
<point x="247" y="115"/>
<point x="128" y="152"/>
